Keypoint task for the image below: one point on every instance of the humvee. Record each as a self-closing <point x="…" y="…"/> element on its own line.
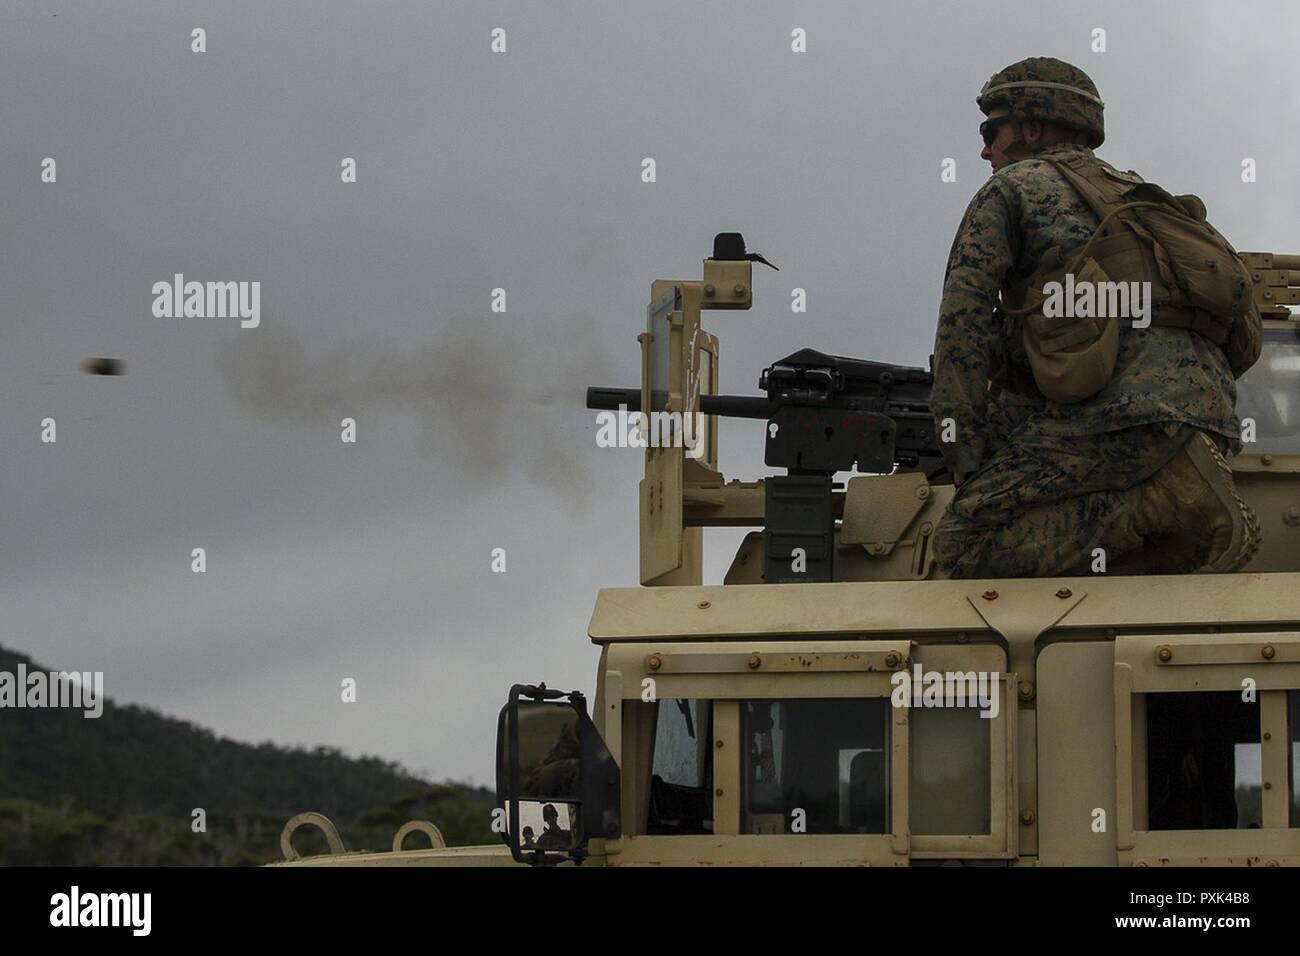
<point x="835" y="701"/>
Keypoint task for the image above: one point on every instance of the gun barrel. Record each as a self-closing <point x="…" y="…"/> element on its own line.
<point x="738" y="406"/>
<point x="728" y="406"/>
<point x="609" y="399"/>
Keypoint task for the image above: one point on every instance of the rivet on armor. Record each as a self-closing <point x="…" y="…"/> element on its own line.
<point x="1064" y="593"/>
<point x="990" y="595"/>
<point x="1268" y="651"/>
<point x="755" y="662"/>
<point x="1164" y="655"/>
<point x="654" y="662"/>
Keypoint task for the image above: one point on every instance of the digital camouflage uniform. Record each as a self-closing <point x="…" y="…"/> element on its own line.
<point x="1043" y="480"/>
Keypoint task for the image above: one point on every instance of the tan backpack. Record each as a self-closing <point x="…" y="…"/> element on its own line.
<point x="1198" y="281"/>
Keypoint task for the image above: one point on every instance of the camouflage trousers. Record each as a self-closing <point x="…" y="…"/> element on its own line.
<point x="1041" y="504"/>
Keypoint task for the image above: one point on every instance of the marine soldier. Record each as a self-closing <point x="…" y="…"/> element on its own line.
<point x="554" y="837"/>
<point x="1042" y="482"/>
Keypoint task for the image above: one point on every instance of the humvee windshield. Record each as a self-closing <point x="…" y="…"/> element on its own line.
<point x="1269" y="394"/>
<point x="681" y="788"/>
<point x="822" y="766"/>
<point x="815" y="766"/>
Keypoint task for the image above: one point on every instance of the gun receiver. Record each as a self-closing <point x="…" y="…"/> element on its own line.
<point x="830" y="414"/>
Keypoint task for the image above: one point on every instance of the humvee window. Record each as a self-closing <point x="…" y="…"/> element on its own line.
<point x="1269" y="394"/>
<point x="950" y="773"/>
<point x="1293" y="708"/>
<point x="815" y="766"/>
<point x="681" y="786"/>
<point x="1203" y="762"/>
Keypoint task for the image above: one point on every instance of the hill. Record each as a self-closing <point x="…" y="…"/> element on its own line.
<point x="122" y="788"/>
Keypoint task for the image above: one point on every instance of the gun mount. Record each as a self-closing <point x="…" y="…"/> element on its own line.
<point x="824" y="414"/>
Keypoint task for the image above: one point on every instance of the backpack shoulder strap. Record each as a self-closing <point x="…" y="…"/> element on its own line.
<point x="1104" y="191"/>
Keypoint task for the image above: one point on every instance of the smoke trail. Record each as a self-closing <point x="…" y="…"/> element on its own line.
<point x="492" y="400"/>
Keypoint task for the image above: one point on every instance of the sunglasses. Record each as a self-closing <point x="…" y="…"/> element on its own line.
<point x="989" y="128"/>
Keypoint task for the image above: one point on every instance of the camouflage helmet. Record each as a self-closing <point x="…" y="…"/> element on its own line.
<point x="1044" y="88"/>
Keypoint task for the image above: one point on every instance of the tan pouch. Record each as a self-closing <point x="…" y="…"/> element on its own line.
<point x="1072" y="358"/>
<point x="1245" y="341"/>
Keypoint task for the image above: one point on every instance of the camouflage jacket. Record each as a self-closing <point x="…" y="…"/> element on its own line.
<point x="1162" y="374"/>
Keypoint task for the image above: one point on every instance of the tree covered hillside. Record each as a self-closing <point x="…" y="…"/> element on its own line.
<point x="121" y="789"/>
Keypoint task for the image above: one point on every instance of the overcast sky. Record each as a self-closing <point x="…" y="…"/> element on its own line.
<point x="476" y="170"/>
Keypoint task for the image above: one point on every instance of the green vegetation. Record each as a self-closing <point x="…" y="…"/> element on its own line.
<point x="121" y="790"/>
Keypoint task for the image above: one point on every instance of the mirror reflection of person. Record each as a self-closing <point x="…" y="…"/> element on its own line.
<point x="529" y="842"/>
<point x="557" y="775"/>
<point x="553" y="837"/>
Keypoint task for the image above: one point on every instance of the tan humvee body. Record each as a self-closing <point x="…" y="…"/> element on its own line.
<point x="1077" y="658"/>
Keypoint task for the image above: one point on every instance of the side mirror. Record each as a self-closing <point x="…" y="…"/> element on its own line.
<point x="556" y="779"/>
